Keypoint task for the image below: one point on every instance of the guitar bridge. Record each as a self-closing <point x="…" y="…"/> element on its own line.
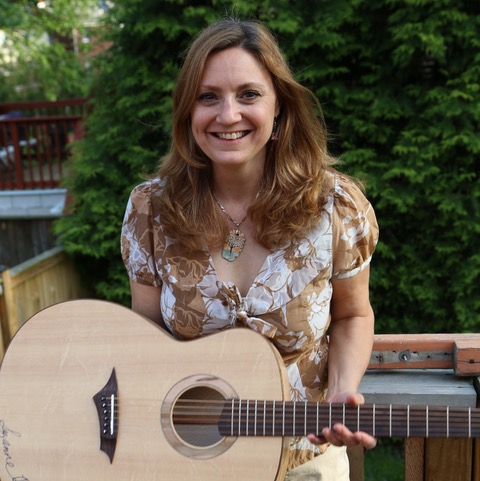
<point x="107" y="408"/>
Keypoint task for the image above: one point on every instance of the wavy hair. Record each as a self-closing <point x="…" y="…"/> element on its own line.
<point x="292" y="192"/>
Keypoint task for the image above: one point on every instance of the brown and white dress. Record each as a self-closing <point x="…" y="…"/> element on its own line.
<point x="289" y="301"/>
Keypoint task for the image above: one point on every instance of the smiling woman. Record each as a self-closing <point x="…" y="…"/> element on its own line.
<point x="247" y="224"/>
<point x="233" y="117"/>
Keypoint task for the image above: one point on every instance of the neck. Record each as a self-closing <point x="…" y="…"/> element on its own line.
<point x="242" y="194"/>
<point x="236" y="187"/>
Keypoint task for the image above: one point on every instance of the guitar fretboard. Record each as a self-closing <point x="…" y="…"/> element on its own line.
<point x="288" y="418"/>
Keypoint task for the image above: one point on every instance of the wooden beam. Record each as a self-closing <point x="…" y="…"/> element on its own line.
<point x="460" y="352"/>
<point x="466" y="355"/>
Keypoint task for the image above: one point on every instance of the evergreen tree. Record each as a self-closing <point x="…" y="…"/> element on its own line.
<point x="399" y="82"/>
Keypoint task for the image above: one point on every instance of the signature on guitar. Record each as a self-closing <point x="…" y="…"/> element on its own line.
<point x="5" y="432"/>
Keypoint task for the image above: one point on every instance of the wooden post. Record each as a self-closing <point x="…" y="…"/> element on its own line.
<point x="448" y="459"/>
<point x="356" y="459"/>
<point x="414" y="459"/>
<point x="476" y="460"/>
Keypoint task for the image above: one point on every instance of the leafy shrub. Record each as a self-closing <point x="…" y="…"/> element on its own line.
<point x="399" y="82"/>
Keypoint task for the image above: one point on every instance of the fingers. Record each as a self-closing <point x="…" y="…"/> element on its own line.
<point x="339" y="435"/>
<point x="355" y="399"/>
<point x="349" y="398"/>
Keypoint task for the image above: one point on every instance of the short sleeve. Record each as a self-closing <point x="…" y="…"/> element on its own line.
<point x="355" y="229"/>
<point x="138" y="237"/>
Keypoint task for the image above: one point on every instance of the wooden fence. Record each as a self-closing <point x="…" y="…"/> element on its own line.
<point x="33" y="285"/>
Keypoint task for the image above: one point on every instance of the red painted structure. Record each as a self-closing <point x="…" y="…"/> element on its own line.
<point x="35" y="142"/>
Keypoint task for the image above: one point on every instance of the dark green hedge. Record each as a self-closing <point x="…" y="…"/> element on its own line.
<point x="399" y="83"/>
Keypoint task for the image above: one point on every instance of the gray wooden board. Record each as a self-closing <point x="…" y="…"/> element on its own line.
<point x="418" y="387"/>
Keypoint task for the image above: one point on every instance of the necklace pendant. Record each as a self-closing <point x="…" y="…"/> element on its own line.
<point x="234" y="245"/>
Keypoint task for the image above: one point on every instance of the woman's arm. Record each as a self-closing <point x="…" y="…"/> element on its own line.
<point x="351" y="340"/>
<point x="351" y="333"/>
<point x="146" y="301"/>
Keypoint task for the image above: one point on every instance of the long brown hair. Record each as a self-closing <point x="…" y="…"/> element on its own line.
<point x="291" y="195"/>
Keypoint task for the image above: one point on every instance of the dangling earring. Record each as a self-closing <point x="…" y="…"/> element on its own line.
<point x="274" y="135"/>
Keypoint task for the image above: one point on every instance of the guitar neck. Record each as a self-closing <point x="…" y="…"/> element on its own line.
<point x="288" y="418"/>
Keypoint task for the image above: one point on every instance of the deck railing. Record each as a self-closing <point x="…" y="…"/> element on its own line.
<point x="35" y="140"/>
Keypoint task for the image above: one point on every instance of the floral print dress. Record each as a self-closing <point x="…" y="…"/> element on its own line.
<point x="289" y="301"/>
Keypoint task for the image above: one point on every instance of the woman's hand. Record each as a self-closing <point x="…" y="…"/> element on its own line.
<point x="340" y="435"/>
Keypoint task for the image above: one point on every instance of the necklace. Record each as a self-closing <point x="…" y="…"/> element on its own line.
<point x="236" y="240"/>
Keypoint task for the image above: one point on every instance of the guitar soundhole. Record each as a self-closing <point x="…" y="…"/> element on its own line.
<point x="195" y="416"/>
<point x="190" y="415"/>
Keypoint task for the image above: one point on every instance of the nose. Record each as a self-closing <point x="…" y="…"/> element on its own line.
<point x="229" y="112"/>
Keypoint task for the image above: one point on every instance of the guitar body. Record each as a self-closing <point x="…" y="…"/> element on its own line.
<point x="50" y="425"/>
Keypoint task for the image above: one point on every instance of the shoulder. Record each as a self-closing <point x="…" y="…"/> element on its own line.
<point x="355" y="227"/>
<point x="345" y="190"/>
<point x="148" y="189"/>
<point x="143" y="195"/>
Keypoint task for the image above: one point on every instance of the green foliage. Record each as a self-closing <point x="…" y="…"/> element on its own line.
<point x="37" y="58"/>
<point x="399" y="81"/>
<point x="386" y="461"/>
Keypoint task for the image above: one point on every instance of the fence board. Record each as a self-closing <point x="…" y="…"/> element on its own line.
<point x="448" y="460"/>
<point x="38" y="283"/>
<point x="476" y="460"/>
<point x="414" y="469"/>
<point x="23" y="239"/>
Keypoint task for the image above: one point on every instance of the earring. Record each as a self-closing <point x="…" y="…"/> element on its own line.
<point x="274" y="135"/>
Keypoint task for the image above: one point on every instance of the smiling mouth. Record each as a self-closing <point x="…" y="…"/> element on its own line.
<point x="231" y="135"/>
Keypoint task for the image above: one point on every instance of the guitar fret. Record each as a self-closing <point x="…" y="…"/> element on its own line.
<point x="305" y="420"/>
<point x="264" y="416"/>
<point x="390" y="422"/>
<point x="343" y="414"/>
<point x="294" y="415"/>
<point x="448" y="422"/>
<point x="232" y="417"/>
<point x="469" y="422"/>
<point x="318" y="415"/>
<point x="255" y="422"/>
<point x="239" y="416"/>
<point x="330" y="415"/>
<point x="283" y="419"/>
<point x="373" y="421"/>
<point x="246" y="418"/>
<point x="273" y="419"/>
<point x="408" y="420"/>
<point x="358" y="417"/>
<point x="426" y="422"/>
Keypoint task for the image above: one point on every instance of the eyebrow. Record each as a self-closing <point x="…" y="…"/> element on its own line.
<point x="245" y="86"/>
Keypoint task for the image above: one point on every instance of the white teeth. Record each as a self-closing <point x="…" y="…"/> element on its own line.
<point x="231" y="136"/>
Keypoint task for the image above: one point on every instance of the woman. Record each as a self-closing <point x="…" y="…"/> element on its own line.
<point x="248" y="224"/>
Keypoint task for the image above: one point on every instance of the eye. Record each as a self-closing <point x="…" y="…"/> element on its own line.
<point x="207" y="97"/>
<point x="250" y="95"/>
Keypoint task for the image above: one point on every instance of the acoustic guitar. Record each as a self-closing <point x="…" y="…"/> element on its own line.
<point x="89" y="390"/>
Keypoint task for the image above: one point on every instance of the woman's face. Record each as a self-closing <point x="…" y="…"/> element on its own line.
<point x="233" y="115"/>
